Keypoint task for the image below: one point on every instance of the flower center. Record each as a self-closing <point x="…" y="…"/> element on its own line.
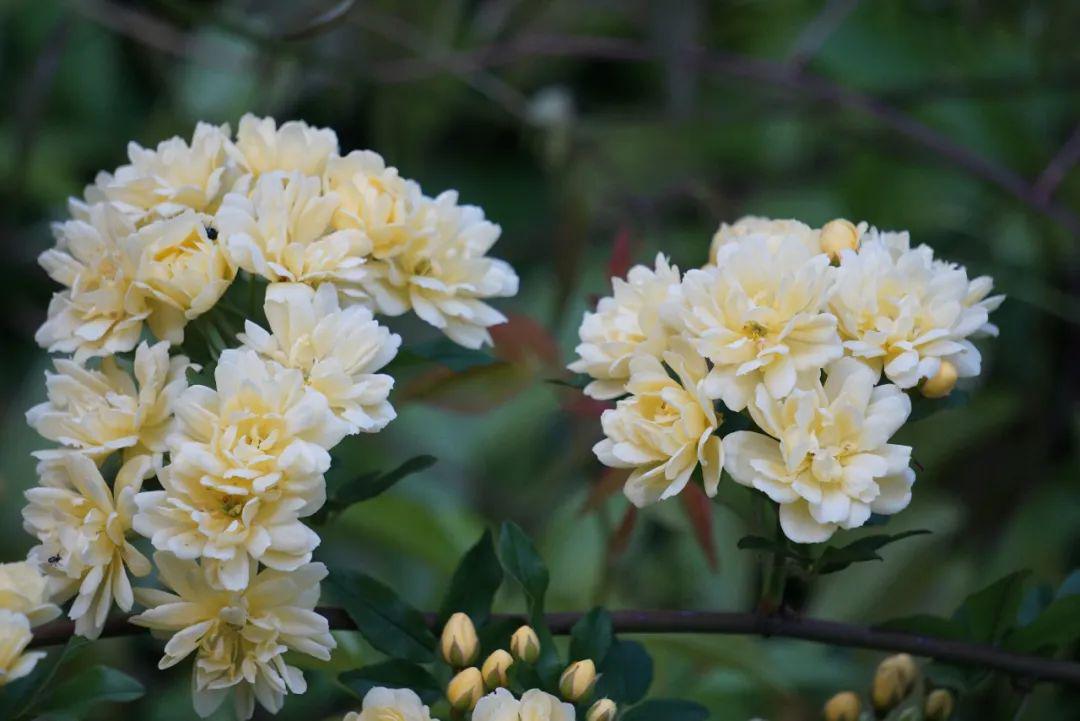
<point x="755" y="330"/>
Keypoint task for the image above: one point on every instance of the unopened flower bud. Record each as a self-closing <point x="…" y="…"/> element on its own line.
<point x="906" y="666"/>
<point x="577" y="680"/>
<point x="603" y="710"/>
<point x="495" y="669"/>
<point x="465" y="689"/>
<point x="939" y="705"/>
<point x="844" y="706"/>
<point x="525" y="644"/>
<point x="942" y="382"/>
<point x="892" y="682"/>
<point x="459" y="644"/>
<point x="837" y="236"/>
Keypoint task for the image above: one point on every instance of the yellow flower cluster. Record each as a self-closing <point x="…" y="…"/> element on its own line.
<point x="239" y="462"/>
<point x="795" y="327"/>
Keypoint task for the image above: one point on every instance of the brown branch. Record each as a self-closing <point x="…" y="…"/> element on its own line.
<point x="404" y="34"/>
<point x="833" y="633"/>
<point x="1059" y="166"/>
<point x="142" y="27"/>
<point x="759" y="70"/>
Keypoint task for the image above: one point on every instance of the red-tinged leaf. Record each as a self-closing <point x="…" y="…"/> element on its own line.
<point x="610" y="482"/>
<point x="523" y="351"/>
<point x="585" y="407"/>
<point x="621" y="254"/>
<point x="523" y="341"/>
<point x="698" y="510"/>
<point x="620" y="540"/>
<point x="474" y="390"/>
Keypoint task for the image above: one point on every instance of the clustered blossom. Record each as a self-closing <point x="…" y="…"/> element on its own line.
<point x="24" y="603"/>
<point x="815" y="334"/>
<point x="339" y="351"/>
<point x="98" y="411"/>
<point x="534" y="705"/>
<point x="238" y="637"/>
<point x="386" y="704"/>
<point x="246" y="463"/>
<point x="625" y="325"/>
<point x="83" y="527"/>
<point x="158" y="241"/>
<point x="220" y="477"/>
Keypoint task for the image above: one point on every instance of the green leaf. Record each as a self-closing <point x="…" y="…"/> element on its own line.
<point x="662" y="709"/>
<point x="367" y="486"/>
<point x="626" y="673"/>
<point x="576" y="381"/>
<point x="387" y="622"/>
<point x="835" y="559"/>
<point x="1070" y="586"/>
<point x="1058" y="625"/>
<point x="523" y="676"/>
<point x="923" y="407"/>
<point x="990" y="613"/>
<point x="19" y="699"/>
<point x="591" y="636"/>
<point x="496" y="634"/>
<point x="474" y="583"/>
<point x="775" y="546"/>
<point x="520" y="559"/>
<point x="442" y="351"/>
<point x="97" y="684"/>
<point x="394" y="673"/>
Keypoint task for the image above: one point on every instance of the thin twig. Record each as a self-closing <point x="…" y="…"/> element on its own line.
<point x="1029" y="668"/>
<point x="758" y="70"/>
<point x="139" y="26"/>
<point x="398" y="31"/>
<point x="818" y="30"/>
<point x="1059" y="166"/>
<point x="322" y="23"/>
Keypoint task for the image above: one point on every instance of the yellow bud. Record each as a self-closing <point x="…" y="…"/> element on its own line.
<point x="459" y="644"/>
<point x="465" y="689"/>
<point x="602" y="710"/>
<point x="578" y="680"/>
<point x="942" y="383"/>
<point x="844" y="706"/>
<point x="837" y="236"/>
<point x="525" y="644"/>
<point x="893" y="680"/>
<point x="939" y="705"/>
<point x="887" y="690"/>
<point x="495" y="667"/>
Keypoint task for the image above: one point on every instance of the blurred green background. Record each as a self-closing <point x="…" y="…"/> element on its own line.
<point x="573" y="123"/>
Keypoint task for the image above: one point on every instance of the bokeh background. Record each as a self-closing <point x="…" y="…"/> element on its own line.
<point x="598" y="132"/>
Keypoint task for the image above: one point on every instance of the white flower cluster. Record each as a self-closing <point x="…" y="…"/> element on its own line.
<point x="240" y="462"/>
<point x="159" y="240"/>
<point x="815" y="334"/>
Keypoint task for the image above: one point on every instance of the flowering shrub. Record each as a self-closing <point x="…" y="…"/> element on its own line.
<point x="814" y="337"/>
<point x="220" y="335"/>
